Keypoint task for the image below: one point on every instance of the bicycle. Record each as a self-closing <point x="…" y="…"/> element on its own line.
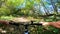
<point x="26" y="31"/>
<point x="26" y="26"/>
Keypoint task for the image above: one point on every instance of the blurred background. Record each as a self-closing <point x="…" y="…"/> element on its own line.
<point x="39" y="10"/>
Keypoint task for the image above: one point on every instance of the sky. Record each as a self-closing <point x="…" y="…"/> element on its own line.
<point x="49" y="6"/>
<point x="47" y="3"/>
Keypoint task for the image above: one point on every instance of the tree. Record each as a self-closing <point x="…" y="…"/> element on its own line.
<point x="13" y="4"/>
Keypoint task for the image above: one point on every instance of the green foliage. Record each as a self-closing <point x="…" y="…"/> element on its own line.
<point x="11" y="6"/>
<point x="6" y="17"/>
<point x="14" y="3"/>
<point x="4" y="11"/>
<point x="8" y="7"/>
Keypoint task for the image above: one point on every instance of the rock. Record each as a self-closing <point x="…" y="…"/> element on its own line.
<point x="3" y="31"/>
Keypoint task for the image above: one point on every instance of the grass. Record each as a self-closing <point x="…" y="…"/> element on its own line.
<point x="6" y="17"/>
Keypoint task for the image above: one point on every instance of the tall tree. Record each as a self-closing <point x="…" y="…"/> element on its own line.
<point x="54" y="6"/>
<point x="13" y="4"/>
<point x="46" y="10"/>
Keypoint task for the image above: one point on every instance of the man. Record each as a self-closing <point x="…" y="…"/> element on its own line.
<point x="54" y="24"/>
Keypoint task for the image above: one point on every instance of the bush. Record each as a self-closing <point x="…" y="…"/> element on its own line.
<point x="6" y="17"/>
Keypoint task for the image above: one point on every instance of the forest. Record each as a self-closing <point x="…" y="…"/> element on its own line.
<point x="37" y="10"/>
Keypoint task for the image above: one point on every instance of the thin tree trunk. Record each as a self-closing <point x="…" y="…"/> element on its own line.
<point x="46" y="10"/>
<point x="55" y="9"/>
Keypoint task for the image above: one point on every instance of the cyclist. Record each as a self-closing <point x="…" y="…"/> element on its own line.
<point x="54" y="24"/>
